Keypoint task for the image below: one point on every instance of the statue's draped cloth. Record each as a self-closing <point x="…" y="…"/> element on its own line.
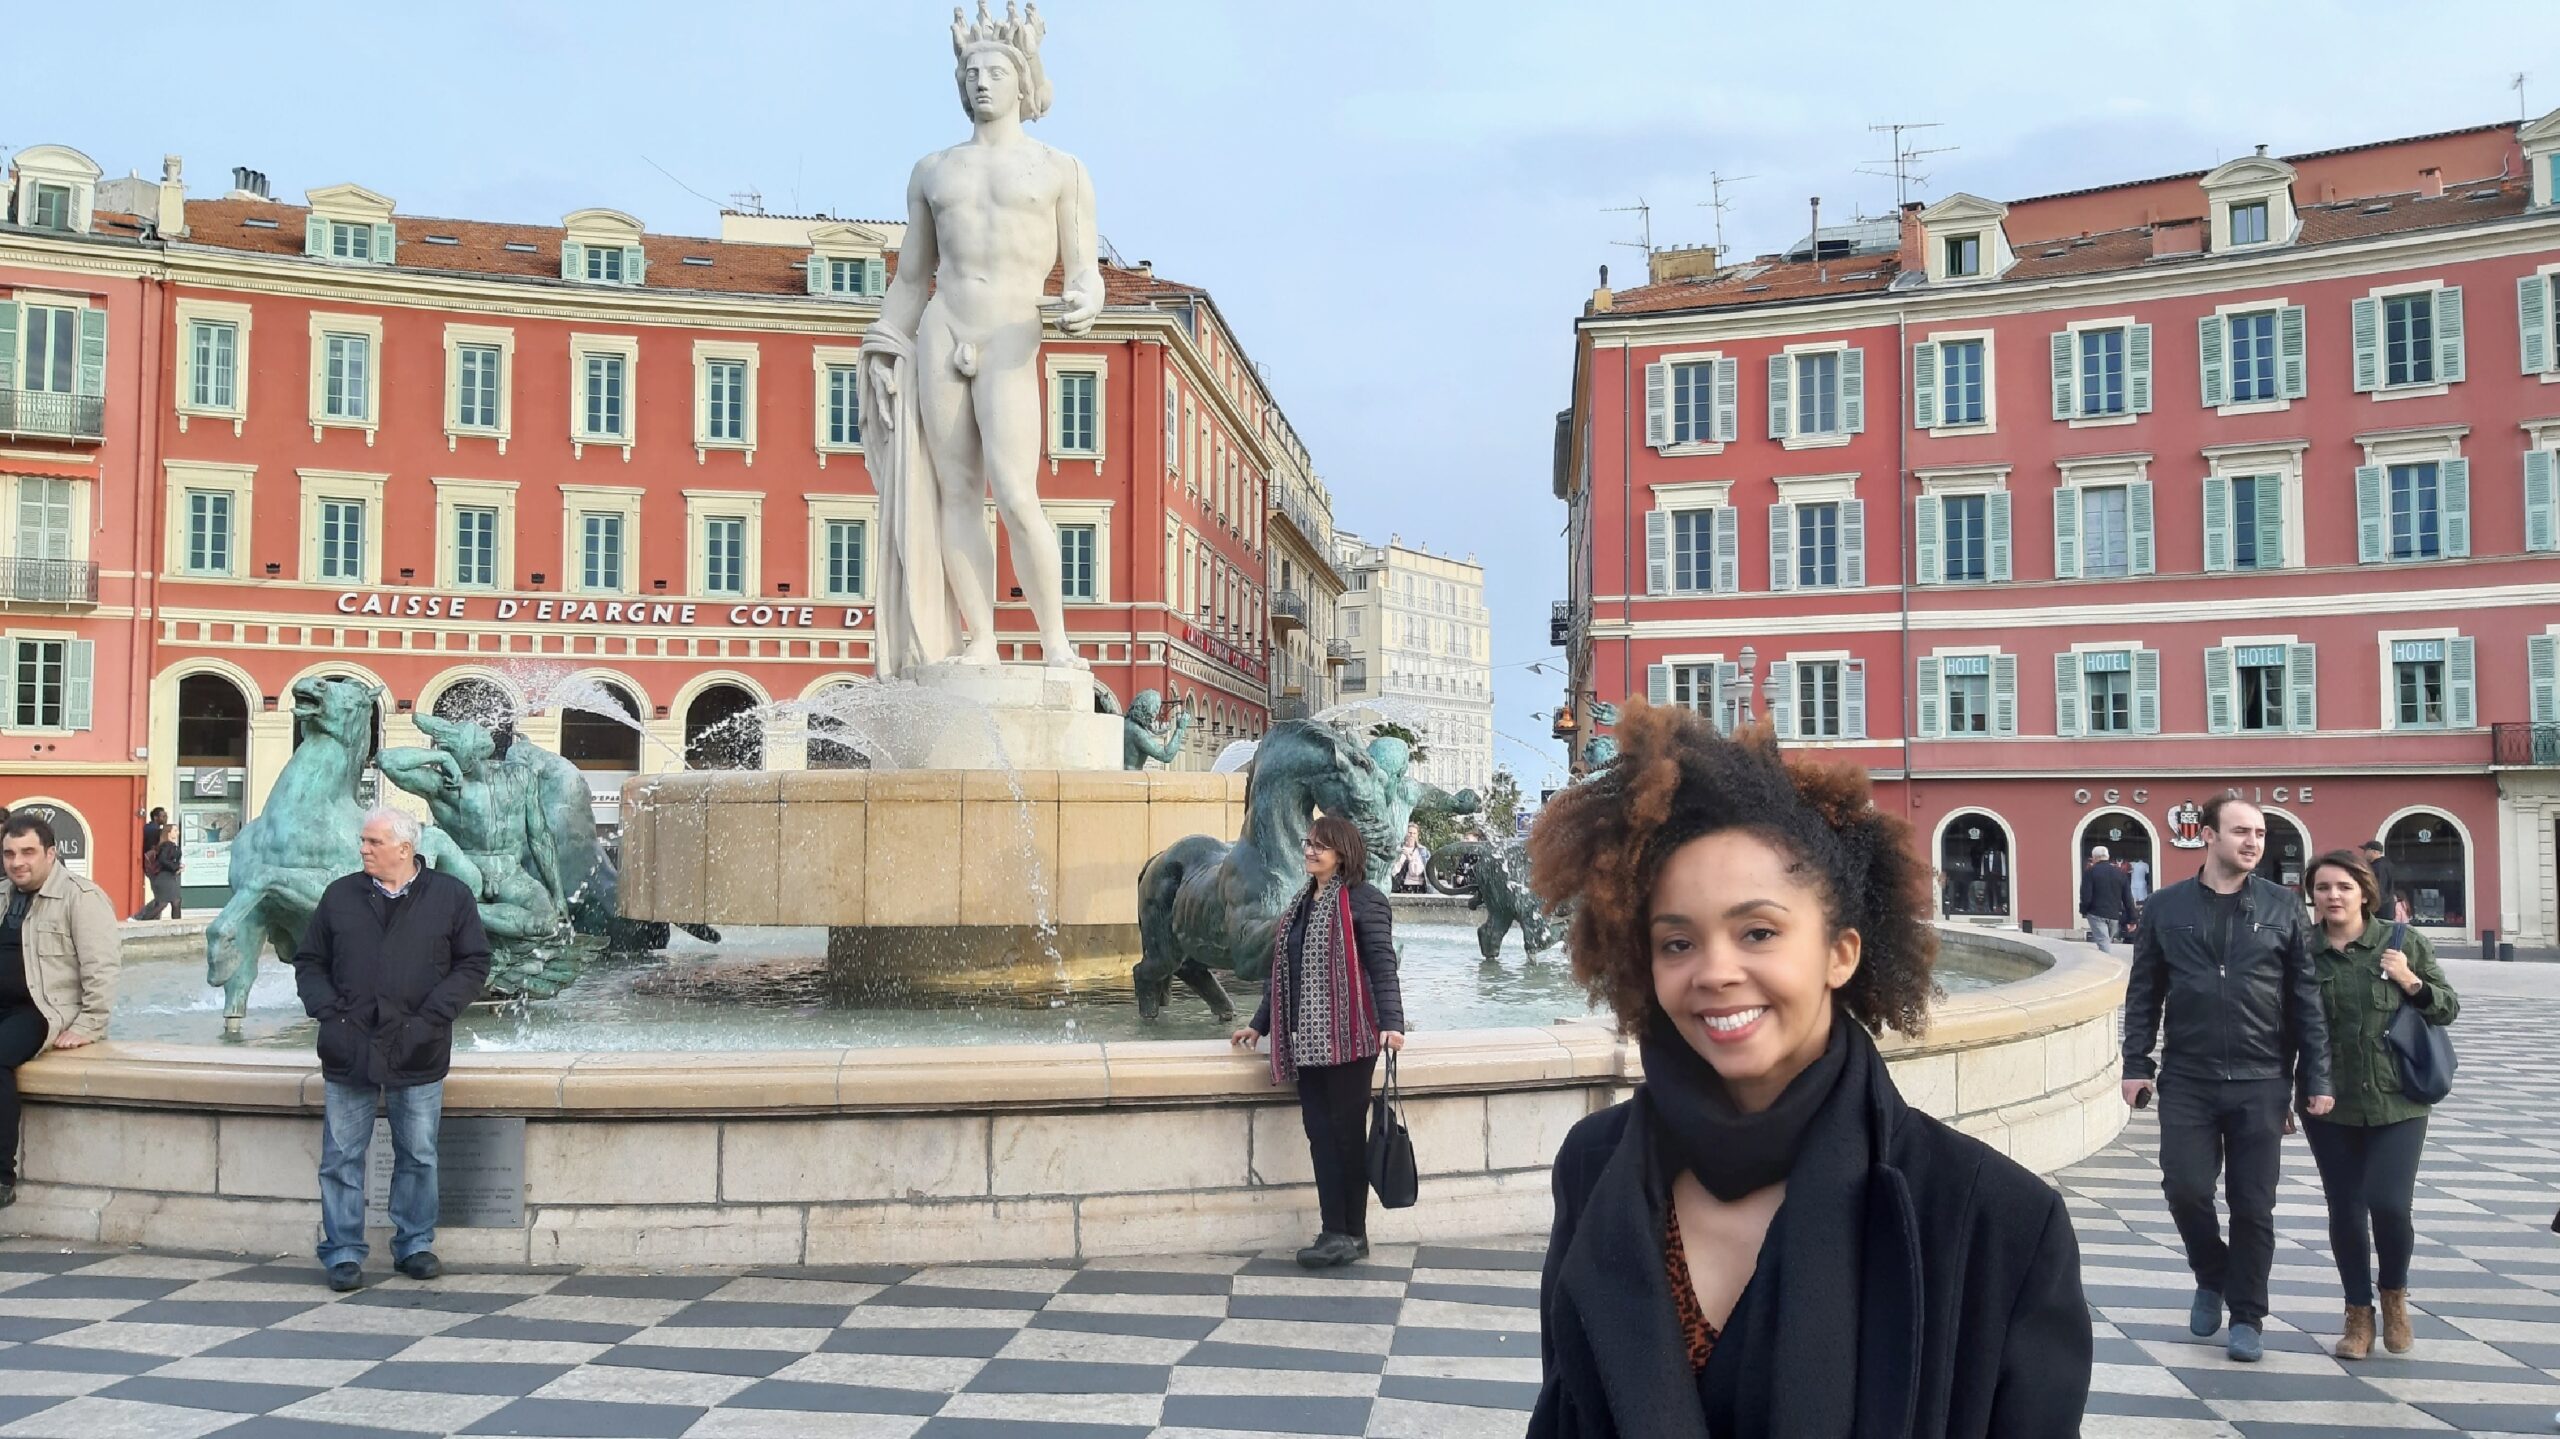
<point x="915" y="621"/>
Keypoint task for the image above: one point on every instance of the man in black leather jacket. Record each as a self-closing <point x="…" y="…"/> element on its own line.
<point x="2229" y="957"/>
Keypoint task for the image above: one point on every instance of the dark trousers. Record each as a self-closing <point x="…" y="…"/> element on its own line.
<point x="165" y="894"/>
<point x="2369" y="1174"/>
<point x="21" y="1039"/>
<point x="1333" y="1099"/>
<point x="2231" y="1131"/>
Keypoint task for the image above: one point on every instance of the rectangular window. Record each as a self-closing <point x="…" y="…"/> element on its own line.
<point x="476" y="381"/>
<point x="2262" y="686"/>
<point x="1817" y="545"/>
<point x="2244" y="522"/>
<point x="1968" y="690"/>
<point x="2253" y="356"/>
<point x="2417" y="531"/>
<point x="844" y="405"/>
<point x="44" y="526"/>
<point x="1076" y="544"/>
<point x="1964" y="255"/>
<point x="2249" y="223"/>
<point x="2107" y="676"/>
<point x="600" y="552"/>
<point x="1693" y="550"/>
<point x="845" y="557"/>
<point x="1693" y="403"/>
<point x="215" y="349"/>
<point x="475" y="547"/>
<point x="208" y="532"/>
<point x="342" y="539"/>
<point x="1963" y="393"/>
<point x="1967" y="523"/>
<point x="53" y="207"/>
<point x="1693" y="687"/>
<point x="40" y="688"/>
<point x="345" y="392"/>
<point x="1818" y="393"/>
<point x="2106" y="532"/>
<point x="349" y="242"/>
<point x="1817" y="699"/>
<point x="604" y="264"/>
<point x="847" y="277"/>
<point x="2417" y="676"/>
<point x="2102" y="372"/>
<point x="606" y="377"/>
<point x="724" y="400"/>
<point x="2409" y="339"/>
<point x="53" y="350"/>
<point x="724" y="555"/>
<point x="1078" y="400"/>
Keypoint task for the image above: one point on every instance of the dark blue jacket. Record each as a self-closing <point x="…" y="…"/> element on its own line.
<point x="386" y="994"/>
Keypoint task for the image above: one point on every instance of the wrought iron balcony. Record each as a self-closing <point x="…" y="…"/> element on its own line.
<point x="1337" y="652"/>
<point x="1288" y="611"/>
<point x="2525" y="745"/>
<point x="1559" y="624"/>
<point x="48" y="582"/>
<point x="43" y="413"/>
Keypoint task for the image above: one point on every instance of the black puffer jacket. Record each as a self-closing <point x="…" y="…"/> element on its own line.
<point x="2249" y="1009"/>
<point x="386" y="994"/>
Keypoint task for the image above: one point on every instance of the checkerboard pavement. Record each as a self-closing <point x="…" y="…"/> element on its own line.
<point x="1435" y="1342"/>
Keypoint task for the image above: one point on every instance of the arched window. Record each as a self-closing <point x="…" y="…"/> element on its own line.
<point x="2288" y="852"/>
<point x="2429" y="865"/>
<point x="605" y="742"/>
<point x="721" y="730"/>
<point x="1974" y="865"/>
<point x="827" y="748"/>
<point x="482" y="701"/>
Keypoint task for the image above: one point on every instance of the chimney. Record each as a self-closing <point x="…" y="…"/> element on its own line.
<point x="1913" y="254"/>
<point x="2262" y="152"/>
<point x="1601" y="298"/>
<point x="1682" y="262"/>
<point x="173" y="196"/>
<point x="2176" y="237"/>
<point x="2430" y="183"/>
<point x="1146" y="267"/>
<point x="248" y="184"/>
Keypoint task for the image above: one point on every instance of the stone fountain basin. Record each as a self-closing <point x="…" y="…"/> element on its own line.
<point x="954" y="1154"/>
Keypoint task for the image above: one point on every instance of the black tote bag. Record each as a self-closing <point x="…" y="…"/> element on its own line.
<point x="1392" y="1171"/>
<point x="2422" y="1051"/>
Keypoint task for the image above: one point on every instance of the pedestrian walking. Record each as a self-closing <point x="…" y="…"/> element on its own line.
<point x="155" y="829"/>
<point x="1751" y="923"/>
<point x="2104" y="905"/>
<point x="2227" y="956"/>
<point x="58" y="960"/>
<point x="161" y="868"/>
<point x="390" y="958"/>
<point x="2369" y="1145"/>
<point x="2386" y="881"/>
<point x="1332" y="1004"/>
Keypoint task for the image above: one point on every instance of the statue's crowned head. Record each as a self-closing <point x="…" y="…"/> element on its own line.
<point x="999" y="61"/>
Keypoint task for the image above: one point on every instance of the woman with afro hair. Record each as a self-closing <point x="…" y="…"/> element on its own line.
<point x="1766" y="1242"/>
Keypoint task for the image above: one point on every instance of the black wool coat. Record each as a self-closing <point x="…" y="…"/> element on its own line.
<point x="1939" y="1298"/>
<point x="386" y="995"/>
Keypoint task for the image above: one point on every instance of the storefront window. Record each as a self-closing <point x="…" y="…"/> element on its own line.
<point x="2287" y="852"/>
<point x="212" y="781"/>
<point x="1973" y="865"/>
<point x="2428" y="864"/>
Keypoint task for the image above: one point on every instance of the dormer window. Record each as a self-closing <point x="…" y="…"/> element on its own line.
<point x="2249" y="223"/>
<point x="1965" y="237"/>
<point x="846" y="260"/>
<point x="2540" y="141"/>
<point x="604" y="267"/>
<point x="52" y="207"/>
<point x="351" y="225"/>
<point x="602" y="247"/>
<point x="1964" y="256"/>
<point x="2250" y="202"/>
<point x="52" y="187"/>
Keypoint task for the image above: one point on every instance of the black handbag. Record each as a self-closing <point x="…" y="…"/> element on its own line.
<point x="1392" y="1171"/>
<point x="2423" y="1051"/>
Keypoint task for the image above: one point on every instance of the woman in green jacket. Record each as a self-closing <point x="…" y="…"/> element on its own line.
<point x="2368" y="1146"/>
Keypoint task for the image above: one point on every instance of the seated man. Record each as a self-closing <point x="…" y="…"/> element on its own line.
<point x="58" y="958"/>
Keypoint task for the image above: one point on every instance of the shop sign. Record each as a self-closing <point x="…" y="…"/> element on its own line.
<point x="1965" y="665"/>
<point x="2417" y="652"/>
<point x="411" y="604"/>
<point x="2254" y="794"/>
<point x="1221" y="651"/>
<point x="2186" y="825"/>
<point x="2259" y="657"/>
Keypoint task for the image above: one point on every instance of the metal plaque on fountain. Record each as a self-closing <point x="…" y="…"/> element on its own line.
<point x="479" y="1174"/>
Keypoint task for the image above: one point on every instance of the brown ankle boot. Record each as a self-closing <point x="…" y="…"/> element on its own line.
<point x="2357" y="1341"/>
<point x="2395" y="1321"/>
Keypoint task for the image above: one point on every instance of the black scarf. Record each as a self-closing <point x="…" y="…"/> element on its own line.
<point x="1701" y="1130"/>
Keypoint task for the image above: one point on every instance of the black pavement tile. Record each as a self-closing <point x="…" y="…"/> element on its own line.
<point x="2282" y="1429"/>
<point x="2492" y="1418"/>
<point x="1065" y="1376"/>
<point x="1465" y="1344"/>
<point x="641" y="1286"/>
<point x="2239" y="1381"/>
<point x="1215" y="1354"/>
<point x="802" y="1397"/>
<point x="308" y="1273"/>
<point x="928" y="1343"/>
<point x="72" y="1359"/>
<point x="2120" y="1351"/>
<point x="737" y="1363"/>
<point x="1027" y="1429"/>
<point x="1443" y="1256"/>
<point x="216" y="1313"/>
<point x="1316" y="1309"/>
<point x="276" y="1426"/>
<point x="49" y="1261"/>
<point x="16" y="1330"/>
<point x="745" y="1314"/>
<point x="446" y="1377"/>
<point x="590" y="1419"/>
<point x="221" y="1395"/>
<point x="94" y="1286"/>
<point x="14" y="1407"/>
<point x="443" y="1301"/>
<point x="2540" y="1356"/>
<point x="2384" y="1365"/>
<point x="1470" y="1393"/>
<point x="840" y="1273"/>
<point x="1506" y="1296"/>
<point x="556" y="1331"/>
<point x="2150" y="1406"/>
<point x="1289" y="1269"/>
<point x="1267" y="1413"/>
<point x="1144" y="1326"/>
<point x="1146" y="1281"/>
<point x="310" y="1344"/>
<point x="930" y="1296"/>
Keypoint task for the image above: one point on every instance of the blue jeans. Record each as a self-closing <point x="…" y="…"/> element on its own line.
<point x="347" y="1133"/>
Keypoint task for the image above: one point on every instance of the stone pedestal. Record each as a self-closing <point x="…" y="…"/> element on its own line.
<point x="1043" y="717"/>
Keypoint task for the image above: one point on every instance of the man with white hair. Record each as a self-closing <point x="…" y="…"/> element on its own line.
<point x="2106" y="899"/>
<point x="391" y="956"/>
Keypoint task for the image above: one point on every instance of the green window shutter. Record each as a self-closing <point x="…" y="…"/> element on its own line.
<point x="1782" y="698"/>
<point x="9" y="680"/>
<point x="1657" y="405"/>
<point x="635" y="266"/>
<point x="2218" y="685"/>
<point x="2533" y="322"/>
<point x="315" y="236"/>
<point x="2458" y="681"/>
<point x="1853" y="390"/>
<point x="1728" y="400"/>
<point x="1996" y="512"/>
<point x="1853" y="699"/>
<point x="1780" y="367"/>
<point x="2270" y="501"/>
<point x="817" y="273"/>
<point x="79" y="667"/>
<point x="1932" y="702"/>
<point x="2217" y="524"/>
<point x="2302" y="688"/>
<point x="93" y="354"/>
<point x="2367" y="317"/>
<point x="8" y="344"/>
<point x="2066" y="533"/>
<point x="2453" y="502"/>
<point x="2138" y="520"/>
<point x="1853" y="543"/>
<point x="573" y="261"/>
<point x="1728" y="527"/>
<point x="386" y="237"/>
<point x="875" y="275"/>
<point x="2137" y="369"/>
<point x="2369" y="516"/>
<point x="2209" y="337"/>
<point x="2541" y="501"/>
<point x="2063" y="373"/>
<point x="1924" y="385"/>
<point x="1728" y="694"/>
<point x="1657" y="552"/>
<point x="1782" y="547"/>
<point x="2066" y="694"/>
<point x="2146" y="691"/>
<point x="2449" y="335"/>
<point x="2004" y="695"/>
<point x="2293" y="350"/>
<point x="1925" y="519"/>
<point x="2542" y="665"/>
<point x="1657" y="684"/>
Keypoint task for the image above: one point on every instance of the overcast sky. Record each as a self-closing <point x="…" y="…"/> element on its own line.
<point x="1401" y="208"/>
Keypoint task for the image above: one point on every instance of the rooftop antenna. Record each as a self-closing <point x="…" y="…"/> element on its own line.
<point x="1904" y="177"/>
<point x="747" y="202"/>
<point x="1720" y="204"/>
<point x="1644" y="214"/>
<point x="2517" y="85"/>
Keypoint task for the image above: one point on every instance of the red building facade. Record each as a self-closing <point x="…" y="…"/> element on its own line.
<point x="493" y="467"/>
<point x="2061" y="529"/>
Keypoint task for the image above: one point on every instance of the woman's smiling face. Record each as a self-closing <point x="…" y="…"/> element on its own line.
<point x="1745" y="962"/>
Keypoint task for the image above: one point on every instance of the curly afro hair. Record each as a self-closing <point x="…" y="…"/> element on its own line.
<point x="1602" y="843"/>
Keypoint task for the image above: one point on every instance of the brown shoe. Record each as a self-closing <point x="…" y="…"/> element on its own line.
<point x="2357" y="1341"/>
<point x="2395" y="1321"/>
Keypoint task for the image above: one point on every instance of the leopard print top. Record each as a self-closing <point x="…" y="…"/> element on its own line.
<point x="1694" y="1328"/>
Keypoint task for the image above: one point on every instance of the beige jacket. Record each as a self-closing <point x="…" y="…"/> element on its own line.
<point x="72" y="954"/>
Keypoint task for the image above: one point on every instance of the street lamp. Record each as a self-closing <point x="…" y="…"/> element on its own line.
<point x="1750" y="671"/>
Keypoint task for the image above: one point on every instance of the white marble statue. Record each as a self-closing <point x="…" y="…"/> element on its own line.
<point x="951" y="371"/>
